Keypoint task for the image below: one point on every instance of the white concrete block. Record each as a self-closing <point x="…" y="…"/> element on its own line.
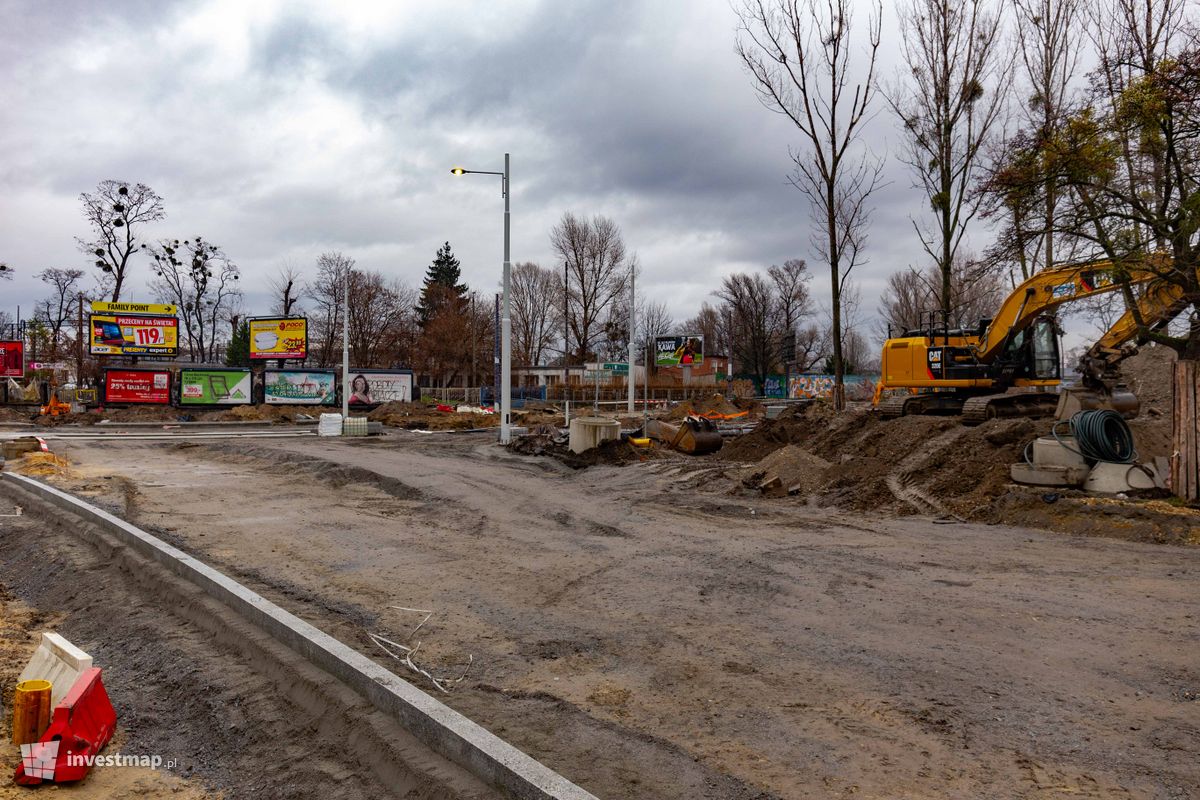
<point x="1050" y="452"/>
<point x="589" y="432"/>
<point x="58" y="661"/>
<point x="1106" y="478"/>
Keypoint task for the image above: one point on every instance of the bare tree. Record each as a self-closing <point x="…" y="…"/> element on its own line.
<point x="655" y="320"/>
<point x="536" y="311"/>
<point x="55" y="310"/>
<point x="708" y="323"/>
<point x="1048" y="34"/>
<point x="595" y="265"/>
<point x="752" y="314"/>
<point x="380" y="314"/>
<point x="949" y="108"/>
<point x="285" y="289"/>
<point x="325" y="290"/>
<point x="116" y="213"/>
<point x="6" y="272"/>
<point x="791" y="286"/>
<point x="799" y="55"/>
<point x="911" y="294"/>
<point x="200" y="279"/>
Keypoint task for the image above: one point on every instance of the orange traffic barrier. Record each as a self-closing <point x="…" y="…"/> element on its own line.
<point x="716" y="415"/>
<point x="81" y="725"/>
<point x="31" y="711"/>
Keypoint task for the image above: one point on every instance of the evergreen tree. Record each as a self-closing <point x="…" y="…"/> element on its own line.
<point x="237" y="353"/>
<point x="441" y="285"/>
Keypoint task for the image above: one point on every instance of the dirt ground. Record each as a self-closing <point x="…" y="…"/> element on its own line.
<point x="20" y="630"/>
<point x="652" y="630"/>
<point x="234" y="713"/>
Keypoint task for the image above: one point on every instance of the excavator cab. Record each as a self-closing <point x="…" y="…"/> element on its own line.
<point x="1032" y="354"/>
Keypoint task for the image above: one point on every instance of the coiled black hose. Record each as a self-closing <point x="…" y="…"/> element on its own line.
<point x="1102" y="435"/>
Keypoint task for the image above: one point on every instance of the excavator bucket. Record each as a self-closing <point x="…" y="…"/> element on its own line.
<point x="693" y="435"/>
<point x="1080" y="398"/>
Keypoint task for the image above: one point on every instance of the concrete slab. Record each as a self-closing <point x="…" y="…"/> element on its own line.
<point x="58" y="661"/>
<point x="1106" y="478"/>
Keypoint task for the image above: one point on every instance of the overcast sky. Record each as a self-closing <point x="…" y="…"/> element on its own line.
<point x="280" y="130"/>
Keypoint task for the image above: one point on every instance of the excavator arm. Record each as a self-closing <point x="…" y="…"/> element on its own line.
<point x="1051" y="288"/>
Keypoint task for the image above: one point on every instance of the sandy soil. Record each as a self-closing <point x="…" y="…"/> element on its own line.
<point x="236" y="713"/>
<point x="649" y="636"/>
<point x="20" y="630"/>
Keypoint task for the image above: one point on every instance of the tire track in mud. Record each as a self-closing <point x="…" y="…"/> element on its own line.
<point x="903" y="480"/>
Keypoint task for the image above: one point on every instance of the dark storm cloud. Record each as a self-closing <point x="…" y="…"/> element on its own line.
<point x="281" y="130"/>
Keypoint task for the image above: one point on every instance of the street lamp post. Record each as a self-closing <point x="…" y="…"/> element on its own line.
<point x="506" y="317"/>
<point x="345" y="349"/>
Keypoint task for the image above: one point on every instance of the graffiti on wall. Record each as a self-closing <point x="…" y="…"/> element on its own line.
<point x="858" y="387"/>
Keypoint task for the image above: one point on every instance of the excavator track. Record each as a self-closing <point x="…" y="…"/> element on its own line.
<point x="1018" y="404"/>
<point x="943" y="403"/>
<point x="893" y="407"/>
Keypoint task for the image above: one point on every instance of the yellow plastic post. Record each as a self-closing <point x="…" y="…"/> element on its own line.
<point x="31" y="711"/>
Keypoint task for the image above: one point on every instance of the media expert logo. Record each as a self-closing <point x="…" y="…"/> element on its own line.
<point x="39" y="759"/>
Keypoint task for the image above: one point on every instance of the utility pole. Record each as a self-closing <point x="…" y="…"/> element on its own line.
<point x="346" y="348"/>
<point x="506" y="322"/>
<point x="632" y="335"/>
<point x="79" y="345"/>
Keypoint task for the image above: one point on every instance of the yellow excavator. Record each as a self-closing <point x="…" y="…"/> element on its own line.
<point x="970" y="371"/>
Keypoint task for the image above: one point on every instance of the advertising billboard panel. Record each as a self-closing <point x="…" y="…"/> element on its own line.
<point x="157" y="309"/>
<point x="137" y="386"/>
<point x="12" y="359"/>
<point x="370" y="387"/>
<point x="279" y="337"/>
<point x="122" y="335"/>
<point x="214" y="387"/>
<point x="678" y="351"/>
<point x="299" y="387"/>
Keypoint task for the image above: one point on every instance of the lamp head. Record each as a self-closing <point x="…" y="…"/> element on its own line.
<point x="458" y="171"/>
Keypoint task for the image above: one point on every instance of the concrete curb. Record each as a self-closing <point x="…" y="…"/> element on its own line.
<point x="443" y="729"/>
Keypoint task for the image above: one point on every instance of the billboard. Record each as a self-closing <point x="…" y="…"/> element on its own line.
<point x="157" y="309"/>
<point x="279" y="337"/>
<point x="678" y="351"/>
<point x="122" y="335"/>
<point x="12" y="359"/>
<point x="137" y="386"/>
<point x="214" y="387"/>
<point x="370" y="387"/>
<point x="299" y="387"/>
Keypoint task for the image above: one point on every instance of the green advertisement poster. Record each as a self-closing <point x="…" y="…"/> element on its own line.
<point x="298" y="387"/>
<point x="217" y="387"/>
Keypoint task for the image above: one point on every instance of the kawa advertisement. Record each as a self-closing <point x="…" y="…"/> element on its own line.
<point x="299" y="388"/>
<point x="12" y="359"/>
<point x="278" y="337"/>
<point x="215" y="387"/>
<point x="370" y="387"/>
<point x="127" y="335"/>
<point x="678" y="351"/>
<point x="137" y="386"/>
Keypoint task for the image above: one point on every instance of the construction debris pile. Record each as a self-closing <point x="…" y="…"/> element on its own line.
<point x="546" y="440"/>
<point x="937" y="466"/>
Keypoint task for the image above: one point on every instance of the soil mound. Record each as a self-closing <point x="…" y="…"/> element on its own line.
<point x="547" y="442"/>
<point x="1149" y="375"/>
<point x="790" y="470"/>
